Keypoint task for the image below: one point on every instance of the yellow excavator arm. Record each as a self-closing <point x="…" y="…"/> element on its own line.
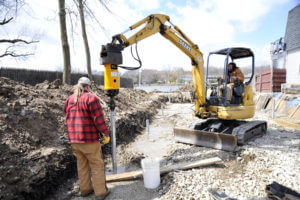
<point x="111" y="55"/>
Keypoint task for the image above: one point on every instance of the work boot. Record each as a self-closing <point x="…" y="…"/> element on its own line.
<point x="87" y="194"/>
<point x="79" y="194"/>
<point x="103" y="197"/>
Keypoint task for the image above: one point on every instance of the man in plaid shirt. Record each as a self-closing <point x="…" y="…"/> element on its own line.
<point x="85" y="122"/>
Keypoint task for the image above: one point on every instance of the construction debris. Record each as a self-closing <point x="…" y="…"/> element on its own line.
<point x="219" y="195"/>
<point x="290" y="88"/>
<point x="286" y="108"/>
<point x="278" y="191"/>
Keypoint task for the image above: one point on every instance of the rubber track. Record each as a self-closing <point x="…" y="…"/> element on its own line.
<point x="249" y="130"/>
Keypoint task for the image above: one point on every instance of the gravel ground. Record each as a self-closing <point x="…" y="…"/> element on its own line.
<point x="242" y="175"/>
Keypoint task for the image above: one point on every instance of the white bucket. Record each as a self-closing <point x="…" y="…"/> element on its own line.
<point x="151" y="172"/>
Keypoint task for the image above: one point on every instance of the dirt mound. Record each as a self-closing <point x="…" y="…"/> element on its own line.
<point x="36" y="156"/>
<point x="185" y="88"/>
<point x="173" y="97"/>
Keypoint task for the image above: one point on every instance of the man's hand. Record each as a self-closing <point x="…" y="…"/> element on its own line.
<point x="235" y="80"/>
<point x="105" y="139"/>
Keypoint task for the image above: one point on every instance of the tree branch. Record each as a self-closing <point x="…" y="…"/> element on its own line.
<point x="13" y="54"/>
<point x="91" y="14"/>
<point x="104" y="4"/>
<point x="4" y="21"/>
<point x="17" y="40"/>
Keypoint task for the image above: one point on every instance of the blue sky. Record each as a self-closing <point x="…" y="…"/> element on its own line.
<point x="212" y="24"/>
<point x="272" y="26"/>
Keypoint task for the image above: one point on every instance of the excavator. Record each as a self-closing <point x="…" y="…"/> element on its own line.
<point x="225" y="125"/>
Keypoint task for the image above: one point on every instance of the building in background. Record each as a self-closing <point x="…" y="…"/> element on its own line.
<point x="292" y="41"/>
<point x="285" y="52"/>
<point x="284" y="74"/>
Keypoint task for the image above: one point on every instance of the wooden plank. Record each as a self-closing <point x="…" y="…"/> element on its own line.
<point x="183" y="166"/>
<point x="296" y="115"/>
<point x="263" y="100"/>
<point x="292" y="114"/>
<point x="268" y="100"/>
<point x="257" y="99"/>
<point x="287" y="123"/>
<point x="277" y="104"/>
<point x="124" y="176"/>
<point x="139" y="173"/>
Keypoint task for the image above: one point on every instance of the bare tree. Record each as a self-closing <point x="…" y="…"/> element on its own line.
<point x="85" y="39"/>
<point x="86" y="12"/>
<point x="9" y="9"/>
<point x="64" y="42"/>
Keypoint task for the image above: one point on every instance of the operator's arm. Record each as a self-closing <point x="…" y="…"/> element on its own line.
<point x="237" y="74"/>
<point x="98" y="116"/>
<point x="240" y="75"/>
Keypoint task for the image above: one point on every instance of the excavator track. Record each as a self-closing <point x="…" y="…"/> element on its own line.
<point x="221" y="134"/>
<point x="249" y="130"/>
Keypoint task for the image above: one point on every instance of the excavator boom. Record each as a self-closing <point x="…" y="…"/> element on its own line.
<point x="156" y="23"/>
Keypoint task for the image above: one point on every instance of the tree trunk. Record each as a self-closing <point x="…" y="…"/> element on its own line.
<point x="85" y="40"/>
<point x="64" y="42"/>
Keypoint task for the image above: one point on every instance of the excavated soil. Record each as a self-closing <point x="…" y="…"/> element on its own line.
<point x="36" y="157"/>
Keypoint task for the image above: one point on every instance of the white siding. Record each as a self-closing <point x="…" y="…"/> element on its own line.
<point x="280" y="63"/>
<point x="278" y="60"/>
<point x="293" y="66"/>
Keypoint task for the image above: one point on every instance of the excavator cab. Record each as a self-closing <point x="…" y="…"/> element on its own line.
<point x="225" y="128"/>
<point x="231" y="54"/>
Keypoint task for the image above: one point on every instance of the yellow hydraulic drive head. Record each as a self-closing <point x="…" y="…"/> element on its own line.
<point x="111" y="79"/>
<point x="111" y="57"/>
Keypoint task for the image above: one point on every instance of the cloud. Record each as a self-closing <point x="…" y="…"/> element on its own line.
<point x="212" y="24"/>
<point x="145" y="5"/>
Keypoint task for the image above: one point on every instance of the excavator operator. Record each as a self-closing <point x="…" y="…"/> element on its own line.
<point x="234" y="73"/>
<point x="236" y="77"/>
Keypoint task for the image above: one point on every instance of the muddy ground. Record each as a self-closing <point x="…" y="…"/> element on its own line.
<point x="37" y="162"/>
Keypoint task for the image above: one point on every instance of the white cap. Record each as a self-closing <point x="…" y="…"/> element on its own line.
<point x="84" y="80"/>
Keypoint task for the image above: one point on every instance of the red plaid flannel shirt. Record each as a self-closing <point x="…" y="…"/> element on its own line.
<point x="85" y="119"/>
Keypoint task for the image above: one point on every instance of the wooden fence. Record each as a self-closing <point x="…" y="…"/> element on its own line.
<point x="34" y="77"/>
